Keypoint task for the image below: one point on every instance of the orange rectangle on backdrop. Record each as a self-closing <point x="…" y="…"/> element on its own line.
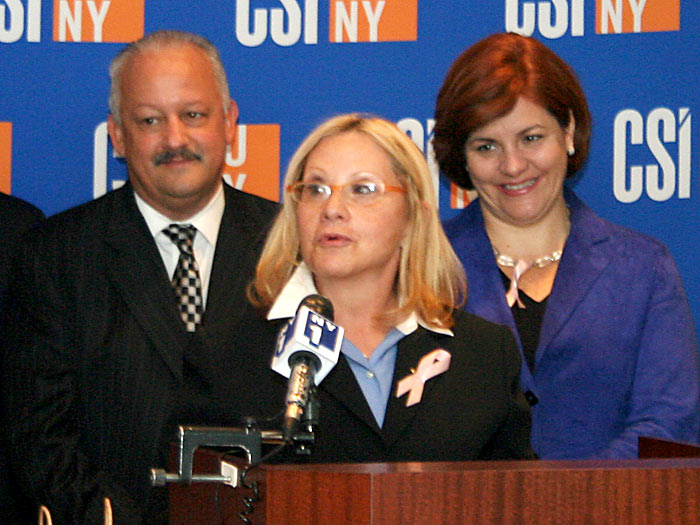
<point x="123" y="21"/>
<point x="657" y="15"/>
<point x="398" y="21"/>
<point x="5" y="157"/>
<point x="662" y="15"/>
<point x="459" y="197"/>
<point x="254" y="163"/>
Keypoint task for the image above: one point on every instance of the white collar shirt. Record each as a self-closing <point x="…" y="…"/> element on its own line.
<point x="207" y="221"/>
<point x="374" y="374"/>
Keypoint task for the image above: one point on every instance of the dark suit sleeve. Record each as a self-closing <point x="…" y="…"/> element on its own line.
<point x="16" y="218"/>
<point x="41" y="394"/>
<point x="512" y="440"/>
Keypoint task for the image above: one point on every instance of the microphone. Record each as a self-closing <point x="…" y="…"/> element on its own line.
<point x="307" y="349"/>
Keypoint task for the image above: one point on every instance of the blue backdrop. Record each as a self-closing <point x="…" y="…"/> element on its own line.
<point x="293" y="63"/>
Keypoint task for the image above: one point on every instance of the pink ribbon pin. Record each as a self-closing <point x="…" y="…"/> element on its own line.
<point x="512" y="293"/>
<point x="430" y="365"/>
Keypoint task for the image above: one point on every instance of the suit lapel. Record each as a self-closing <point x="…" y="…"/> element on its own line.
<point x="485" y="292"/>
<point x="136" y="270"/>
<point x="342" y="385"/>
<point x="411" y="350"/>
<point x="486" y="296"/>
<point x="584" y="260"/>
<point x="233" y="259"/>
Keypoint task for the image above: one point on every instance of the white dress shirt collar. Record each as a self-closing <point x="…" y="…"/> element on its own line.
<point x="207" y="220"/>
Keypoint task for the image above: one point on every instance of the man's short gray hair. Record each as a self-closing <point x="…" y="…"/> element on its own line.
<point x="153" y="42"/>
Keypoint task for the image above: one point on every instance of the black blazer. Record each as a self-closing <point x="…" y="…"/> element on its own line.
<point x="473" y="411"/>
<point x="16" y="217"/>
<point x="102" y="368"/>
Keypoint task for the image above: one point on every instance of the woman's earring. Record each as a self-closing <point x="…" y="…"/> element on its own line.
<point x="571" y="151"/>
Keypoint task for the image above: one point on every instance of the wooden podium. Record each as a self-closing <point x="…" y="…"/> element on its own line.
<point x="663" y="491"/>
<point x="663" y="448"/>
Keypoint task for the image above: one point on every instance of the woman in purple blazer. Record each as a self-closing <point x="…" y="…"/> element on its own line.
<point x="599" y="311"/>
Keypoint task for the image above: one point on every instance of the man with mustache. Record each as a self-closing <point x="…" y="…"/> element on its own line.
<point x="132" y="306"/>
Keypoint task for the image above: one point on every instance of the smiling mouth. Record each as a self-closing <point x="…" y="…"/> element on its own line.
<point x="521" y="186"/>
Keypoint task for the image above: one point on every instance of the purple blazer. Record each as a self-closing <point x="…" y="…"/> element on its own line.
<point x="617" y="356"/>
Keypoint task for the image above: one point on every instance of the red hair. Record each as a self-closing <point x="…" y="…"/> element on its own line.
<point x="485" y="82"/>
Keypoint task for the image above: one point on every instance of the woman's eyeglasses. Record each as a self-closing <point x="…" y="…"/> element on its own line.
<point x="362" y="192"/>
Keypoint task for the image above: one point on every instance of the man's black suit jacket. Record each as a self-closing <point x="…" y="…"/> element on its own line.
<point x="16" y="217"/>
<point x="103" y="369"/>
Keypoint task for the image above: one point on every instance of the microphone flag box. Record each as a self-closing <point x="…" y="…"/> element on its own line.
<point x="309" y="332"/>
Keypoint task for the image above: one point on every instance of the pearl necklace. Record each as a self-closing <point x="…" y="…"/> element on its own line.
<point x="520" y="266"/>
<point x="540" y="262"/>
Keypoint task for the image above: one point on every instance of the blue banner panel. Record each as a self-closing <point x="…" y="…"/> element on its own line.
<point x="292" y="64"/>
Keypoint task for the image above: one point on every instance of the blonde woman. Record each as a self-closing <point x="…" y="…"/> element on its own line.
<point x="359" y="225"/>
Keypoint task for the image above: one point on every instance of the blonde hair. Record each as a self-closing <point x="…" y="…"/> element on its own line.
<point x="430" y="281"/>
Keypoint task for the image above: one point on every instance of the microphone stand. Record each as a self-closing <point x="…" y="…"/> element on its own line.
<point x="249" y="439"/>
<point x="308" y="424"/>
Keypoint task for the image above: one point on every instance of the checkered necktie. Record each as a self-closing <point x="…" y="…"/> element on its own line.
<point x="186" y="282"/>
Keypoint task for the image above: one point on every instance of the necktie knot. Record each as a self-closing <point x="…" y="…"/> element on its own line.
<point x="182" y="236"/>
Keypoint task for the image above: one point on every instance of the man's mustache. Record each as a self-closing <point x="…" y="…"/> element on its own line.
<point x="180" y="153"/>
